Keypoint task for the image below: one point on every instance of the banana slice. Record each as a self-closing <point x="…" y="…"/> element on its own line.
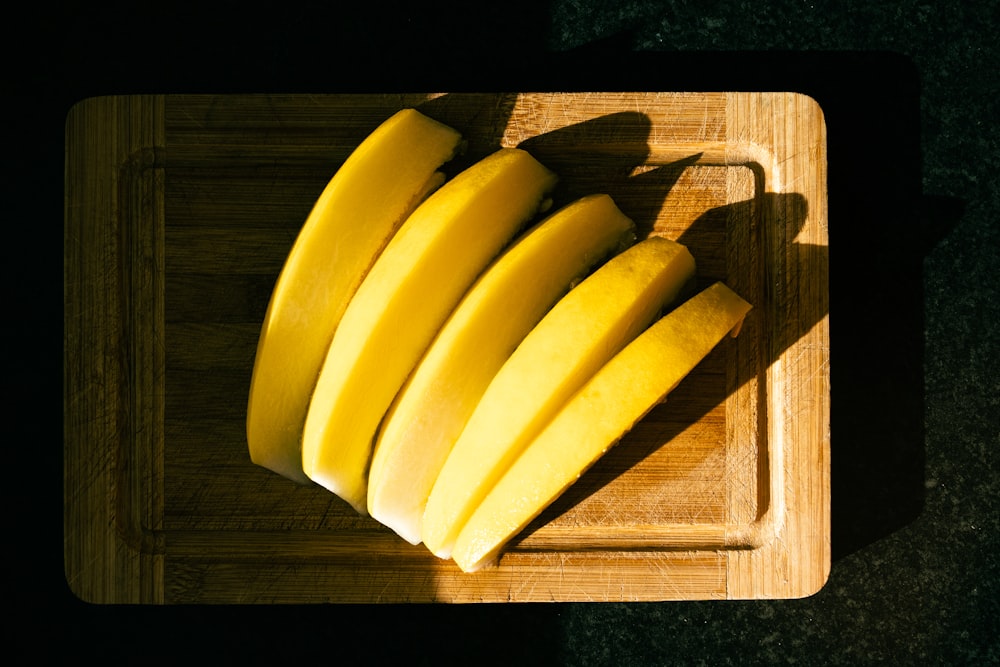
<point x="410" y="291"/>
<point x="364" y="203"/>
<point x="581" y="332"/>
<point x="498" y="312"/>
<point x="607" y="407"/>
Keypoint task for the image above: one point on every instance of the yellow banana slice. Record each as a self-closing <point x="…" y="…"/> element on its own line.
<point x="607" y="407"/>
<point x="410" y="291"/>
<point x="582" y="331"/>
<point x="498" y="312"/>
<point x="361" y="207"/>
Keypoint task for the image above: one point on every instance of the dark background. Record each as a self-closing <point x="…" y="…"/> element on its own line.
<point x="910" y="93"/>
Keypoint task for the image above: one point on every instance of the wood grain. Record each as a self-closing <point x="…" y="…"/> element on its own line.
<point x="180" y="211"/>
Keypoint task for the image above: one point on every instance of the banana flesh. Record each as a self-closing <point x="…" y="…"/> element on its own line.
<point x="582" y="331"/>
<point x="361" y="207"/>
<point x="608" y="406"/>
<point x="412" y="288"/>
<point x="428" y="414"/>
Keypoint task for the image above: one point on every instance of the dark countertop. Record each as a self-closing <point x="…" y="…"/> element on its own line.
<point x="910" y="92"/>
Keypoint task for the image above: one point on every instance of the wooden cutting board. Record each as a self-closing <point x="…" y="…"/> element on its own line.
<point x="180" y="211"/>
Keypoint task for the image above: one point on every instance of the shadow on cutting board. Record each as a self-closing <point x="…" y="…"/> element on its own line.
<point x="877" y="456"/>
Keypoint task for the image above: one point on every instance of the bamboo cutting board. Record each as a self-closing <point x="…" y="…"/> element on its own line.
<point x="180" y="211"/>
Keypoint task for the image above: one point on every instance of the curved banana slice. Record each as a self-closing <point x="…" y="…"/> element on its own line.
<point x="428" y="414"/>
<point x="410" y="291"/>
<point x="364" y="203"/>
<point x="607" y="407"/>
<point x="582" y="331"/>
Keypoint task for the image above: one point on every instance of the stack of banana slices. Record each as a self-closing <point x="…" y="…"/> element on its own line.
<point x="450" y="360"/>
